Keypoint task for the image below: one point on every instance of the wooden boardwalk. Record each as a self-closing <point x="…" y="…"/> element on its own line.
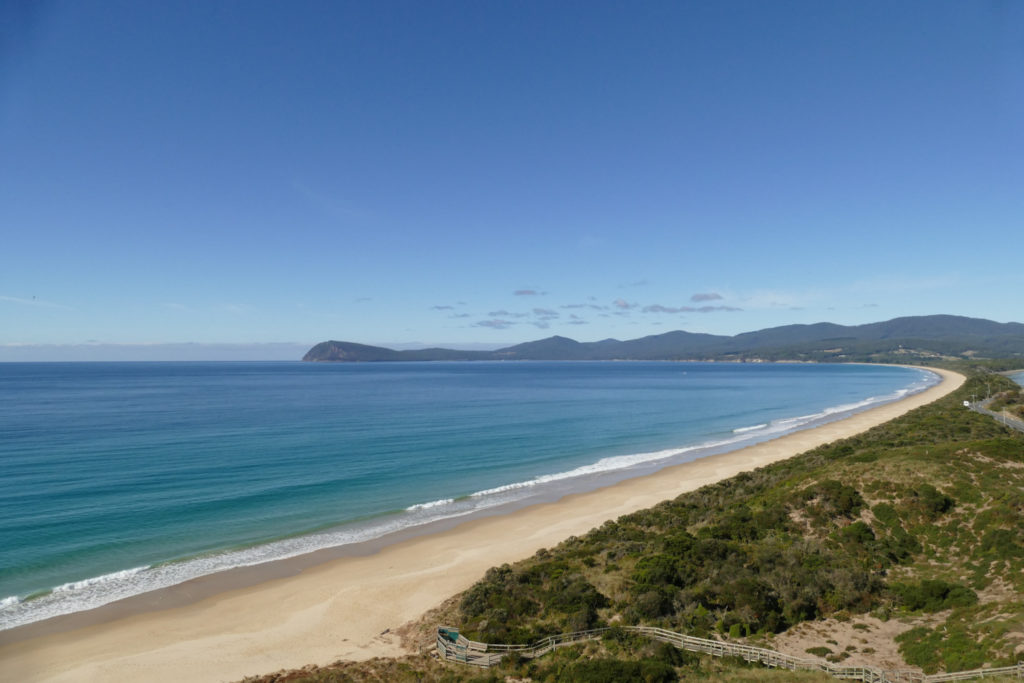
<point x="454" y="647"/>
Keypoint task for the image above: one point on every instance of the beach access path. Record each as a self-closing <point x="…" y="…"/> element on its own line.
<point x="349" y="608"/>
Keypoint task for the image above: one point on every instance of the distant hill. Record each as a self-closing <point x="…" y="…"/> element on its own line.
<point x="900" y="339"/>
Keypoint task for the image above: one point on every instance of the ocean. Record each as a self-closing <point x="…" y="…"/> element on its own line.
<point x="121" y="478"/>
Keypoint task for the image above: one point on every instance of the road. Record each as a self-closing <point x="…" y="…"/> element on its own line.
<point x="981" y="407"/>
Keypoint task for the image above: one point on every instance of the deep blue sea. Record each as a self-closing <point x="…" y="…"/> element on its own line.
<point x="119" y="478"/>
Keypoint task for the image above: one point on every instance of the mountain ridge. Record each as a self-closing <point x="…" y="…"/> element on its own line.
<point x="904" y="338"/>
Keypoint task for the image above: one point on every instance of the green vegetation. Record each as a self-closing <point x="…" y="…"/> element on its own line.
<point x="932" y="595"/>
<point x="1010" y="401"/>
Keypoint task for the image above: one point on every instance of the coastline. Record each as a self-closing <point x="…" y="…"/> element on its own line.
<point x="320" y="609"/>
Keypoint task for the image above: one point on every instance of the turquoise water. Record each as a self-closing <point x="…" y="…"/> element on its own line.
<point x="118" y="478"/>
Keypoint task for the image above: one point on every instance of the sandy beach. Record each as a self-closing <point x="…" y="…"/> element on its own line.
<point x="342" y="608"/>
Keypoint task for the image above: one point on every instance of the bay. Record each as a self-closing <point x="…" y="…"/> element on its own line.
<point x="118" y="478"/>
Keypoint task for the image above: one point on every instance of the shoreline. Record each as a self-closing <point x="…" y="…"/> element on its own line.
<point x="159" y="585"/>
<point x="342" y="604"/>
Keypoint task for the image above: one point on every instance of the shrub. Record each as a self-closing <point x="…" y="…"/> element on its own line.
<point x="656" y="570"/>
<point x="857" y="533"/>
<point x="1002" y="543"/>
<point x="932" y="501"/>
<point x="886" y="514"/>
<point x="932" y="595"/>
<point x="613" y="671"/>
<point x="673" y="656"/>
<point x="832" y="499"/>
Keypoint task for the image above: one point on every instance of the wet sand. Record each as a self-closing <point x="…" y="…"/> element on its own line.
<point x="320" y="608"/>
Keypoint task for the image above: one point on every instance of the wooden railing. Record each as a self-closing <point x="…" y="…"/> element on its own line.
<point x="454" y="647"/>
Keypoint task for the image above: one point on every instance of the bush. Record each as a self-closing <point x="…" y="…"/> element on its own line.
<point x="833" y="499"/>
<point x="932" y="595"/>
<point x="612" y="671"/>
<point x="932" y="501"/>
<point x="656" y="570"/>
<point x="673" y="656"/>
<point x="951" y="649"/>
<point x="886" y="514"/>
<point x="857" y="533"/>
<point x="1002" y="543"/>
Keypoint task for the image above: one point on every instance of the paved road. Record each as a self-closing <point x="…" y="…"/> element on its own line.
<point x="981" y="407"/>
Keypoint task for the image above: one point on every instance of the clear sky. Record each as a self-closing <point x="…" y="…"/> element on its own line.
<point x="494" y="172"/>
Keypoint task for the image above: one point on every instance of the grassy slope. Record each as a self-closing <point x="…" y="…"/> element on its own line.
<point x="920" y="517"/>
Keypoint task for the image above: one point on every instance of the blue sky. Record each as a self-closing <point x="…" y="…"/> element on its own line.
<point x="495" y="172"/>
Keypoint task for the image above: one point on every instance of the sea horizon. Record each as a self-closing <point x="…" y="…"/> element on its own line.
<point x="240" y="451"/>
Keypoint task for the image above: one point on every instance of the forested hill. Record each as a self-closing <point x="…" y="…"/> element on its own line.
<point x="898" y="340"/>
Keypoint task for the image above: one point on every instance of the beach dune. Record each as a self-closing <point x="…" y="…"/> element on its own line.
<point x="349" y="608"/>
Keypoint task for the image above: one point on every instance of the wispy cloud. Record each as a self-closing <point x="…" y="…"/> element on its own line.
<point x="768" y="299"/>
<point x="545" y="313"/>
<point x="595" y="307"/>
<point x="706" y="296"/>
<point x="528" y="292"/>
<point x="623" y="305"/>
<point x="494" y="324"/>
<point x="658" y="308"/>
<point x="33" y="301"/>
<point x="442" y="308"/>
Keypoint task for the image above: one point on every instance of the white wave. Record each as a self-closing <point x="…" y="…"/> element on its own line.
<point x="74" y="586"/>
<point x="760" y="431"/>
<point x="431" y="504"/>
<point x="754" y="428"/>
<point x="77" y="596"/>
<point x="94" y="592"/>
<point x="601" y="466"/>
<point x="789" y="422"/>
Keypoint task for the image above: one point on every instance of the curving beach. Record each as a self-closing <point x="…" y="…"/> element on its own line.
<point x="321" y="611"/>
